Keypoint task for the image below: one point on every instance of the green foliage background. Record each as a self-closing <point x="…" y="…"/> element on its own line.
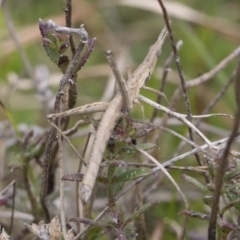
<point x="128" y="30"/>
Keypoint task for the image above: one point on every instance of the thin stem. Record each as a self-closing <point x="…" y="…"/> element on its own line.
<point x="30" y="194"/>
<point x="195" y="82"/>
<point x="140" y="204"/>
<point x="50" y="150"/>
<point x="26" y="62"/>
<point x="181" y="75"/>
<point x="14" y="35"/>
<point x="13" y="207"/>
<point x="68" y="17"/>
<point x="173" y="101"/>
<point x="69" y="142"/>
<point x="123" y="88"/>
<point x="223" y="163"/>
<point x="211" y="105"/>
<point x="164" y="78"/>
<point x="61" y="184"/>
<point x="78" y="202"/>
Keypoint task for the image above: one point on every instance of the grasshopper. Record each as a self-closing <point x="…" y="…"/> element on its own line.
<point x="113" y="113"/>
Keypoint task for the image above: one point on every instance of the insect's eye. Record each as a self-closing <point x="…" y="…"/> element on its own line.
<point x="134" y="142"/>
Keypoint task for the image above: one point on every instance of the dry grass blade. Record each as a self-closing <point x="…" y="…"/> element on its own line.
<point x="179" y="116"/>
<point x="209" y="75"/>
<point x="8" y="190"/>
<point x="187" y="140"/>
<point x="187" y="154"/>
<point x="212" y="115"/>
<point x="160" y="166"/>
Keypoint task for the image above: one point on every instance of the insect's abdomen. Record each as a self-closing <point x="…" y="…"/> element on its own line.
<point x="109" y="119"/>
